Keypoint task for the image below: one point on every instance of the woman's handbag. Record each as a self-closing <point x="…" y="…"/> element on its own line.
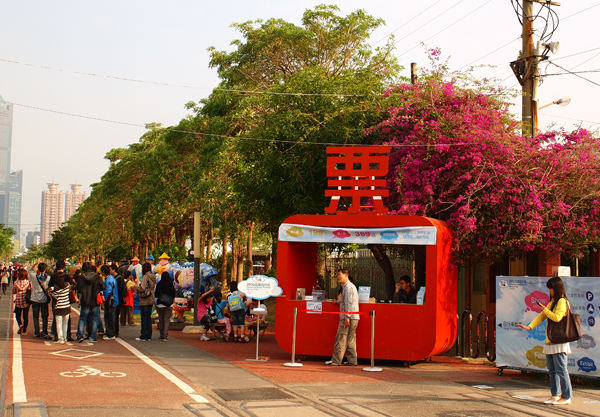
<point x="567" y="330"/>
<point x="73" y="296"/>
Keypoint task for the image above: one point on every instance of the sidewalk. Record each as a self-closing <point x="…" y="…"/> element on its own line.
<point x="219" y="372"/>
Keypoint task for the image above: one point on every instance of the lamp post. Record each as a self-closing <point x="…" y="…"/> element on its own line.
<point x="562" y="102"/>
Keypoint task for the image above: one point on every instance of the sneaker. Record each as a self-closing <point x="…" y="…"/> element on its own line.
<point x="79" y="339"/>
<point x="166" y="339"/>
<point x="328" y="362"/>
<point x="37" y="336"/>
<point x="24" y="333"/>
<point x="20" y="330"/>
<point x="205" y="338"/>
<point x="562" y="401"/>
<point x="46" y="336"/>
<point x="62" y="342"/>
<point x="107" y="338"/>
<point x="58" y="342"/>
<point x="140" y="340"/>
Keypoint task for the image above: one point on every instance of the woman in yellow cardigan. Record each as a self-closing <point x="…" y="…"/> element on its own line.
<point x="556" y="353"/>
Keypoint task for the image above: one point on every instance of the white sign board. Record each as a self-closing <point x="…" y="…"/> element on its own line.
<point x="516" y="302"/>
<point x="260" y="287"/>
<point x="421" y="235"/>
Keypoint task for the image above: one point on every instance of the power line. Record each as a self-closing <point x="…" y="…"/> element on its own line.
<point x="573" y="72"/>
<point x="397" y="29"/>
<point x="447" y="27"/>
<point x="91" y="74"/>
<point x="581" y="11"/>
<point x="495" y="50"/>
<point x="577" y="75"/>
<point x="578" y="53"/>
<point x="233" y="137"/>
<point x="425" y="24"/>
<point x="570" y="118"/>
<point x="587" y="60"/>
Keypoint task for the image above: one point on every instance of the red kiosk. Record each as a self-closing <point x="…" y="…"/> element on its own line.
<point x="405" y="332"/>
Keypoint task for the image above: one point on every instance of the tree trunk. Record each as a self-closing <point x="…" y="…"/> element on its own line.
<point x="202" y="247"/>
<point x="249" y="261"/>
<point x="234" y="259"/>
<point x="223" y="271"/>
<point x="209" y="241"/>
<point x="240" y="263"/>
<point x="386" y="265"/>
<point x="274" y="252"/>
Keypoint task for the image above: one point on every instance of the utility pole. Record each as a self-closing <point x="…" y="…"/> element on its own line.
<point x="413" y="73"/>
<point x="526" y="68"/>
<point x="528" y="79"/>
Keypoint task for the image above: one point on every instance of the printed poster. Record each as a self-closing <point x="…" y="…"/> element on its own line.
<point x="516" y="302"/>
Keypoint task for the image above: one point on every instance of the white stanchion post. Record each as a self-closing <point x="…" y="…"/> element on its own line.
<point x="372" y="368"/>
<point x="258" y="312"/>
<point x="293" y="362"/>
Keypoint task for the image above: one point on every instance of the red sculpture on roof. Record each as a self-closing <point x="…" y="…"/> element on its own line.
<point x="358" y="170"/>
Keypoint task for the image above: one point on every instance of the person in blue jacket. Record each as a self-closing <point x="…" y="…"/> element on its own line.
<point x="111" y="300"/>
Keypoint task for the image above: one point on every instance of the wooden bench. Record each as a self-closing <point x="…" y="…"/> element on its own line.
<point x="252" y="329"/>
<point x="217" y="328"/>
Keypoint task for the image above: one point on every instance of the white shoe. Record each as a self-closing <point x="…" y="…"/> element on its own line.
<point x="106" y="338"/>
<point x="551" y="400"/>
<point x="328" y="362"/>
<point x="205" y="338"/>
<point x="562" y="401"/>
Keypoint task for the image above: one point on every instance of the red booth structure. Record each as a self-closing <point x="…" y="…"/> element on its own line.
<point x="404" y="332"/>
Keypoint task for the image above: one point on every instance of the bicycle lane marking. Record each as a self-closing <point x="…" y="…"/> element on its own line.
<point x="18" y="376"/>
<point x="104" y="362"/>
<point x="164" y="372"/>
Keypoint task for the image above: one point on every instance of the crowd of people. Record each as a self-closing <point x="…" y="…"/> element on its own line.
<point x="105" y="297"/>
<point x="108" y="288"/>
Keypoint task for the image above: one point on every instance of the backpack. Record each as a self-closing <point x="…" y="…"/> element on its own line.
<point x="211" y="313"/>
<point x="235" y="302"/>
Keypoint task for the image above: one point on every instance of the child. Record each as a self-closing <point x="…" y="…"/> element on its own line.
<point x="238" y="313"/>
<point x="220" y="306"/>
<point x="126" y="316"/>
<point x="62" y="310"/>
<point x="204" y="302"/>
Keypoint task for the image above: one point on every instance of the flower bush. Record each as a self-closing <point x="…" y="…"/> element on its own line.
<point x="457" y="155"/>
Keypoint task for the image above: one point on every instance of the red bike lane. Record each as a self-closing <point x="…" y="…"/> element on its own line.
<point x="107" y="373"/>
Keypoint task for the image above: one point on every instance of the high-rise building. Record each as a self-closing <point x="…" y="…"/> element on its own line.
<point x="32" y="238"/>
<point x="53" y="211"/>
<point x="73" y="199"/>
<point x="11" y="183"/>
<point x="58" y="207"/>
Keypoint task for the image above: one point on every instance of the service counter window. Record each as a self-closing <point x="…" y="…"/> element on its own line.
<point x="393" y="274"/>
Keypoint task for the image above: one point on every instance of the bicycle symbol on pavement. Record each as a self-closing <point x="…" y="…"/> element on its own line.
<point x="89" y="371"/>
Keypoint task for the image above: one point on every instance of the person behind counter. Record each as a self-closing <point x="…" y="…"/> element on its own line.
<point x="405" y="294"/>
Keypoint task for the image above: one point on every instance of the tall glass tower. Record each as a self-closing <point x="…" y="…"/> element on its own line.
<point x="11" y="183"/>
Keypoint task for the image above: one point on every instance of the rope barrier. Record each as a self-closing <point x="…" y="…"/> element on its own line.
<point x="360" y="313"/>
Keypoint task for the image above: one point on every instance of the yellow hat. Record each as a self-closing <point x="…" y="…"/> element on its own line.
<point x="135" y="259"/>
<point x="164" y="256"/>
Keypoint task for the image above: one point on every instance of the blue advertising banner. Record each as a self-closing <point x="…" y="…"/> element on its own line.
<point x="516" y="302"/>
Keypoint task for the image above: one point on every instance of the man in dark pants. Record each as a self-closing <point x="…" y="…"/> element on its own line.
<point x="40" y="300"/>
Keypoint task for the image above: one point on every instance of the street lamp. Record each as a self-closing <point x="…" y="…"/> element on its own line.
<point x="562" y="102"/>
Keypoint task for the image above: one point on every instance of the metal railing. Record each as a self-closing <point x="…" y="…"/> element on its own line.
<point x="465" y="335"/>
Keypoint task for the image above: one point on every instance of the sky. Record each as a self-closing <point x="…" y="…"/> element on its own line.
<point x="167" y="42"/>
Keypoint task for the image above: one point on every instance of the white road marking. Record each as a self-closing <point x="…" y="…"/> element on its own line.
<point x="164" y="372"/>
<point x="76" y="353"/>
<point x="18" y="377"/>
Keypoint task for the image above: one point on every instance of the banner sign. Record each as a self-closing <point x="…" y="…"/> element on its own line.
<point x="516" y="302"/>
<point x="420" y="235"/>
<point x="260" y="287"/>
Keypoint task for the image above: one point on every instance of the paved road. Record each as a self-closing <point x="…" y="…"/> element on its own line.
<point x="188" y="377"/>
